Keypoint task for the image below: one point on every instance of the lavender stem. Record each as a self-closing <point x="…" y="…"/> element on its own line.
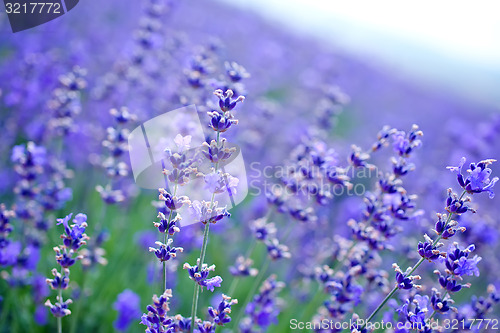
<point x="196" y="294"/>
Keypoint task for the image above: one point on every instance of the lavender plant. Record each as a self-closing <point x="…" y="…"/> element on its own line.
<point x="458" y="261"/>
<point x="67" y="254"/>
<point x="217" y="182"/>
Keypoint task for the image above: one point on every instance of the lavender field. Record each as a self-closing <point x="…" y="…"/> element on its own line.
<point x="188" y="166"/>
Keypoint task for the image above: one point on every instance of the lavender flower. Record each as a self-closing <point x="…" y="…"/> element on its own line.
<point x="262" y="229"/>
<point x="66" y="101"/>
<point x="200" y="276"/>
<point x="66" y="256"/>
<point x="9" y="250"/>
<point x="207" y="213"/>
<point x="477" y="180"/>
<point x="276" y="251"/>
<point x="405" y="143"/>
<point x="243" y="267"/>
<point x="165" y="252"/>
<point x="415" y="311"/>
<point x="404" y="280"/>
<point x="226" y="100"/>
<point x="59" y="309"/>
<point x="128" y="306"/>
<point x="428" y="250"/>
<point x="458" y="262"/>
<point x="116" y="143"/>
<point x="221" y="314"/>
<point x="218" y="152"/>
<point x="156" y="320"/>
<point x="263" y="310"/>
<point x="438" y="303"/>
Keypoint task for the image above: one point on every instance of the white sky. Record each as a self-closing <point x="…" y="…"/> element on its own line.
<point x="462" y="28"/>
<point x="447" y="42"/>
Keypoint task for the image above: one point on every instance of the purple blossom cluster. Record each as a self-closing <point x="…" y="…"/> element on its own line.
<point x="183" y="169"/>
<point x="67" y="254"/>
<point x="323" y="223"/>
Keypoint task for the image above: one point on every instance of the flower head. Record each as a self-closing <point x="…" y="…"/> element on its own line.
<point x="59" y="309"/>
<point x="219" y="182"/>
<point x="428" y="250"/>
<point x="200" y="275"/>
<point x="165" y="252"/>
<point x="75" y="235"/>
<point x="226" y="100"/>
<point x="220" y="314"/>
<point x="478" y="177"/>
<point x="203" y="212"/>
<point x="221" y="122"/>
<point x="157" y="319"/>
<point x="459" y="263"/>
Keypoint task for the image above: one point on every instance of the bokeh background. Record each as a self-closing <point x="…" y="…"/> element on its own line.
<point x="435" y="65"/>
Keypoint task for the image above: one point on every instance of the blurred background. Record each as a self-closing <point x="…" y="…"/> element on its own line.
<point x="322" y="75"/>
<point x="445" y="47"/>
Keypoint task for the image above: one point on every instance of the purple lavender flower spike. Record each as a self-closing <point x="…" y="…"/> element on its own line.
<point x="75" y="235"/>
<point x="217" y="153"/>
<point x="221" y="122"/>
<point x="40" y="315"/>
<point x="405" y="143"/>
<point x="438" y="303"/>
<point x="221" y="314"/>
<point x="128" y="306"/>
<point x="405" y="281"/>
<point x="212" y="283"/>
<point x="200" y="276"/>
<point x="157" y="319"/>
<point x="66" y="256"/>
<point x="428" y="250"/>
<point x="59" y="309"/>
<point x="263" y="310"/>
<point x="226" y="100"/>
<point x="459" y="263"/>
<point x="59" y="281"/>
<point x="263" y="229"/>
<point x="165" y="252"/>
<point x="415" y="311"/>
<point x="203" y="212"/>
<point x="9" y="253"/>
<point x="276" y="251"/>
<point x="243" y="267"/>
<point x="477" y="180"/>
<point x="235" y="71"/>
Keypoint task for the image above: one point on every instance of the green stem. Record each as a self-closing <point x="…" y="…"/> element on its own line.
<point x="393" y="291"/>
<point x="79" y="305"/>
<point x="59" y="319"/>
<point x="194" y="305"/>
<point x="196" y="294"/>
